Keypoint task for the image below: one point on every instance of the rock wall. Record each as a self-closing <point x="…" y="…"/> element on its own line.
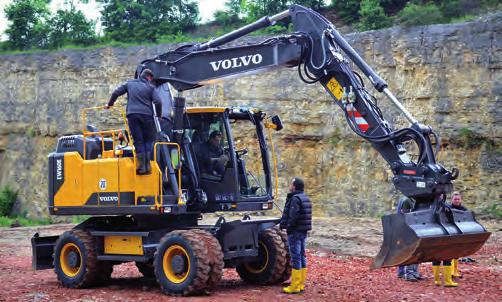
<point x="448" y="76"/>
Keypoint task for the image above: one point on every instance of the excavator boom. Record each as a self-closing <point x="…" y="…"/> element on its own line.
<point x="432" y="231"/>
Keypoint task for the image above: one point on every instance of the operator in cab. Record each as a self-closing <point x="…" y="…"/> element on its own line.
<point x="139" y="112"/>
<point x="297" y="220"/>
<point x="211" y="156"/>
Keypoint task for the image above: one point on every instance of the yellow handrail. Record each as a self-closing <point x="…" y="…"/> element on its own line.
<point x="130" y="141"/>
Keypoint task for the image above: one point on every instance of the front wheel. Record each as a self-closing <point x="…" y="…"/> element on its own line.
<point x="75" y="261"/>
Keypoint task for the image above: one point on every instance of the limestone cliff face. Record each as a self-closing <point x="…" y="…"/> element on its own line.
<point x="448" y="76"/>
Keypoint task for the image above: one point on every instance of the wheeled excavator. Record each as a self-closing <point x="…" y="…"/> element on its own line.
<point x="155" y="220"/>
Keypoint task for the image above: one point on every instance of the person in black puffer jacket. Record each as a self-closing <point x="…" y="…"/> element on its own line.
<point x="297" y="220"/>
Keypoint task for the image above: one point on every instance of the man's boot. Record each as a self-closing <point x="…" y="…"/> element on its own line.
<point x="303" y="278"/>
<point x="140" y="163"/>
<point x="294" y="288"/>
<point x="148" y="168"/>
<point x="435" y="271"/>
<point x="456" y="272"/>
<point x="447" y="272"/>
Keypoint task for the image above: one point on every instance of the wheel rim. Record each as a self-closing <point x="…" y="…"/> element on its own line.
<point x="261" y="264"/>
<point x="70" y="259"/>
<point x="176" y="263"/>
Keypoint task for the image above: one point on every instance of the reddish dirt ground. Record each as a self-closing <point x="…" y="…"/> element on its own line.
<point x="332" y="277"/>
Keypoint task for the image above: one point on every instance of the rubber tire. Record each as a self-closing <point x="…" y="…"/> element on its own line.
<point x="215" y="255"/>
<point x="197" y="251"/>
<point x="286" y="275"/>
<point x="146" y="269"/>
<point x="276" y="264"/>
<point x="89" y="271"/>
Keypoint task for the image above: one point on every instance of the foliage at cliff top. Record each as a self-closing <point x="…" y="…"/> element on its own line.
<point x="126" y="22"/>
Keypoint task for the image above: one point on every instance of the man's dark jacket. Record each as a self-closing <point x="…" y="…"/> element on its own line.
<point x="140" y="96"/>
<point x="297" y="215"/>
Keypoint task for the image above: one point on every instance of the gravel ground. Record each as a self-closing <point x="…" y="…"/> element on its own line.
<point x="338" y="271"/>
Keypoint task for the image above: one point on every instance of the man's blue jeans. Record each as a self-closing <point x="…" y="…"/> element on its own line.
<point x="296" y="241"/>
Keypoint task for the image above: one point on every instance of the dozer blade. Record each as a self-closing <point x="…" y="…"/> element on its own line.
<point x="425" y="236"/>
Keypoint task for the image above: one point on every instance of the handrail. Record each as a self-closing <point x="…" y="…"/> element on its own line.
<point x="180" y="199"/>
<point x="112" y="132"/>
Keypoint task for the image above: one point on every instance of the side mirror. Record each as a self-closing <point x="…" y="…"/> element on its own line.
<point x="276" y="120"/>
<point x="274" y="123"/>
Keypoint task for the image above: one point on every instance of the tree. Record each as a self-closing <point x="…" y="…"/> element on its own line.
<point x="414" y="14"/>
<point x="147" y="20"/>
<point x="255" y="9"/>
<point x="348" y="10"/>
<point x="391" y="7"/>
<point x="232" y="13"/>
<point x="27" y="28"/>
<point x="313" y="4"/>
<point x="70" y="26"/>
<point x="372" y="16"/>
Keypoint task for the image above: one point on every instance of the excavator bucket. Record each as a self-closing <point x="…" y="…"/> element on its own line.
<point x="429" y="235"/>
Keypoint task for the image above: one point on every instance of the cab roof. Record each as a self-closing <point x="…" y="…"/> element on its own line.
<point x="205" y="109"/>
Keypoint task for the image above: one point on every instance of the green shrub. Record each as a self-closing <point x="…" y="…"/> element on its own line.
<point x="469" y="139"/>
<point x="22" y="221"/>
<point x="414" y="14"/>
<point x="493" y="211"/>
<point x="372" y="16"/>
<point x="7" y="199"/>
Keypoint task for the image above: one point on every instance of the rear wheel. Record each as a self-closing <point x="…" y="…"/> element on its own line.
<point x="75" y="261"/>
<point x="268" y="267"/>
<point x="287" y="268"/>
<point x="181" y="263"/>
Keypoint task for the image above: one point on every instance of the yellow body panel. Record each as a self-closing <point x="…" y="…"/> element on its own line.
<point x="83" y="178"/>
<point x="123" y="245"/>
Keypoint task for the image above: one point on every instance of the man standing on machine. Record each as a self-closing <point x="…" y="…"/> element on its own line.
<point x="139" y="114"/>
<point x="297" y="220"/>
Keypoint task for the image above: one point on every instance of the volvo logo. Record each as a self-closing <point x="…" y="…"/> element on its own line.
<point x="108" y="198"/>
<point x="237" y="62"/>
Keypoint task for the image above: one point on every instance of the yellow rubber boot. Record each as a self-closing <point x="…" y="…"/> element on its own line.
<point x="447" y="272"/>
<point x="456" y="272"/>
<point x="435" y="271"/>
<point x="294" y="288"/>
<point x="303" y="274"/>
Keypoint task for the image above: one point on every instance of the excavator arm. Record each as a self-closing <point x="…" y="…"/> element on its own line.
<point x="432" y="231"/>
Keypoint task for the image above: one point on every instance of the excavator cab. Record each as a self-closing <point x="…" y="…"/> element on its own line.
<point x="232" y="158"/>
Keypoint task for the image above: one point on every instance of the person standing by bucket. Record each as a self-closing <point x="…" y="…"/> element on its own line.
<point x="407" y="272"/>
<point x="456" y="203"/>
<point x="447" y="271"/>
